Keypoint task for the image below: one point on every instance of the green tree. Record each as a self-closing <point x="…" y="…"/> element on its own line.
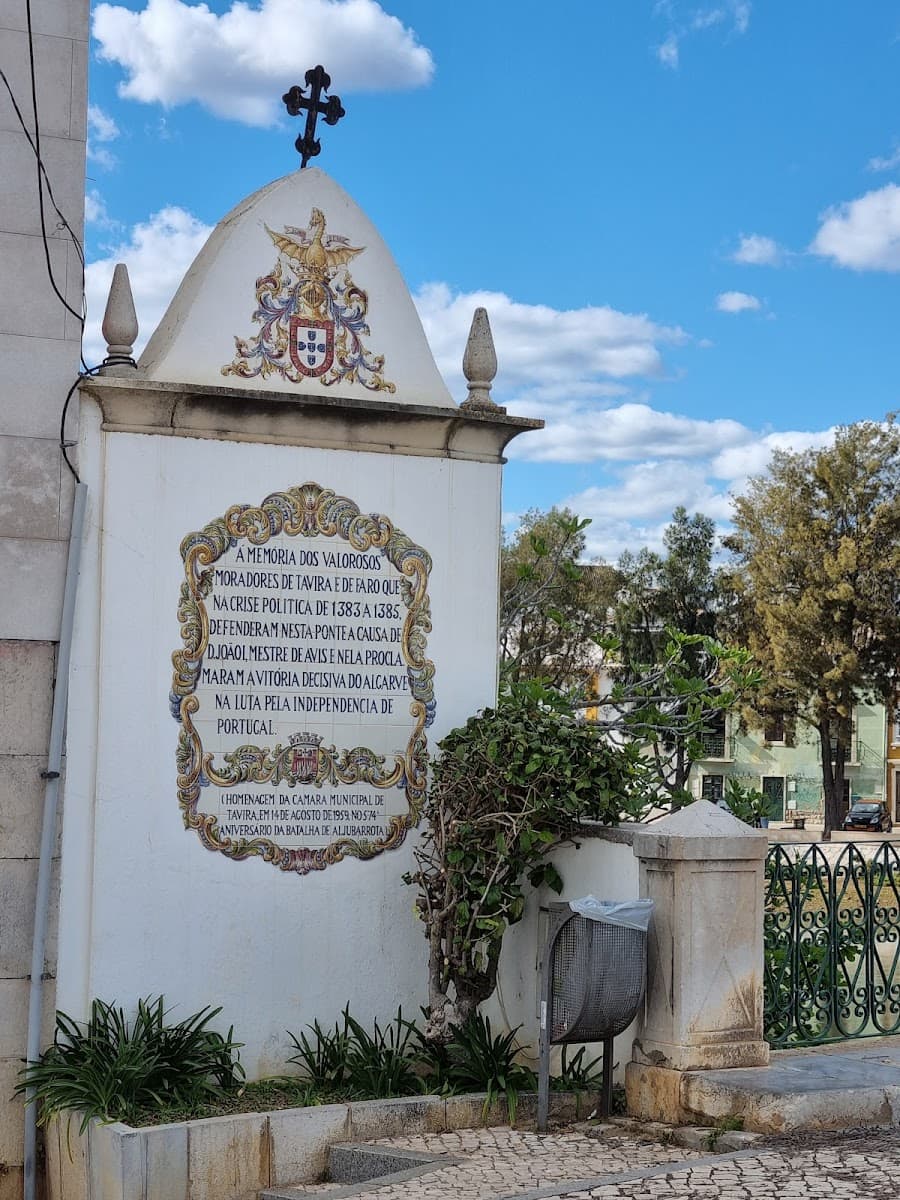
<point x="660" y="593"/>
<point x="551" y="602"/>
<point x="815" y="586"/>
<point x="646" y="626"/>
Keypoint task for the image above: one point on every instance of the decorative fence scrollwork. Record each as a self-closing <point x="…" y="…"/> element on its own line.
<point x="832" y="942"/>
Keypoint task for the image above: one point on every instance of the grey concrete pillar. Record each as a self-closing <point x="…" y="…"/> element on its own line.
<point x="704" y="870"/>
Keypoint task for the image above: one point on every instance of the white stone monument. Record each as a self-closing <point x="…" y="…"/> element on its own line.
<point x="289" y="594"/>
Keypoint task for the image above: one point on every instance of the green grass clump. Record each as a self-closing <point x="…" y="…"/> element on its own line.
<point x="115" y="1069"/>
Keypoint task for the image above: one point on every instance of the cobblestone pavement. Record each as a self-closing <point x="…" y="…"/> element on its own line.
<point x="859" y="1165"/>
<point x="501" y="1163"/>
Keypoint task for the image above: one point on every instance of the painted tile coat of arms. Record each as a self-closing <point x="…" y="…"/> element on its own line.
<point x="312" y="316"/>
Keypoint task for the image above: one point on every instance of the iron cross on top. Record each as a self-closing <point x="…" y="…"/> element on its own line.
<point x="318" y="81"/>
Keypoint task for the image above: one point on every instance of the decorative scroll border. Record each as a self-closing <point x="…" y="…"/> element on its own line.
<point x="306" y="511"/>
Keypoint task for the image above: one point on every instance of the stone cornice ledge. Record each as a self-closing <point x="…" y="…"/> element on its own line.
<point x="135" y="405"/>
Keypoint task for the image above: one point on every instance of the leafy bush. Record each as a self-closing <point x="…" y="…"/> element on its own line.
<point x="324" y="1058"/>
<point x="400" y="1061"/>
<point x="382" y="1063"/>
<point x="350" y="1060"/>
<point x="113" y="1068"/>
<point x="748" y="804"/>
<point x="509" y="786"/>
<point x="482" y="1061"/>
<point x="579" y="1074"/>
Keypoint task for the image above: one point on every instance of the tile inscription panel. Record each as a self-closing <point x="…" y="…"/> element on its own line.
<point x="303" y="690"/>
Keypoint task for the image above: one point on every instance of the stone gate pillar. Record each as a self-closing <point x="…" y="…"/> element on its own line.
<point x="704" y="870"/>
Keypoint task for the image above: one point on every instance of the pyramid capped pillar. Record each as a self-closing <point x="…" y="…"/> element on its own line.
<point x="704" y="870"/>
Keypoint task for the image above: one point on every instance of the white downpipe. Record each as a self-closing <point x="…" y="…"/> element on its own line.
<point x="48" y="828"/>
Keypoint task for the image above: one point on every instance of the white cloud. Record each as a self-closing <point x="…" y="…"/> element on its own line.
<point x="567" y="367"/>
<point x="101" y="125"/>
<point x="548" y="358"/>
<point x="667" y="51"/>
<point x="737" y="302"/>
<point x="708" y="17"/>
<point x="579" y="433"/>
<point x="888" y="163"/>
<point x="741" y="12"/>
<point x="733" y="15"/>
<point x="758" y="251"/>
<point x="101" y="128"/>
<point x="737" y="463"/>
<point x="608" y="539"/>
<point x="863" y="234"/>
<point x="237" y="63"/>
<point x="95" y="211"/>
<point x="94" y="208"/>
<point x="101" y="157"/>
<point x="652" y="490"/>
<point x="548" y="353"/>
<point x="635" y="502"/>
<point x="157" y="253"/>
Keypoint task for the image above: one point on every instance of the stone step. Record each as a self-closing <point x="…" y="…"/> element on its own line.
<point x="351" y="1167"/>
<point x="825" y="1088"/>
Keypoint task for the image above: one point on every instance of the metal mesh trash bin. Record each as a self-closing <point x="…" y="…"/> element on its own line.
<point x="594" y="970"/>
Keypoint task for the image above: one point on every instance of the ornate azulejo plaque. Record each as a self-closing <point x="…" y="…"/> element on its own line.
<point x="303" y="689"/>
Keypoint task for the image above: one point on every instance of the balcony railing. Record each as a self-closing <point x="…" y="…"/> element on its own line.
<point x="716" y="745"/>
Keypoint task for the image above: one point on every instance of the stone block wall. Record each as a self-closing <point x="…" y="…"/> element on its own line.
<point x="39" y="359"/>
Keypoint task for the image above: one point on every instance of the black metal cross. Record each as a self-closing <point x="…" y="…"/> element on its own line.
<point x="318" y="81"/>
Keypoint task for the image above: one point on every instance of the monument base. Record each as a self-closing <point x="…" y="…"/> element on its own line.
<point x="655" y="1093"/>
<point x="710" y="1056"/>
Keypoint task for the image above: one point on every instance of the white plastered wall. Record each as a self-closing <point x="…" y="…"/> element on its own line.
<point x="592" y="866"/>
<point x="145" y="908"/>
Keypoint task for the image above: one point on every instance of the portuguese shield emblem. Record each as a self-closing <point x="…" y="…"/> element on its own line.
<point x="311" y="345"/>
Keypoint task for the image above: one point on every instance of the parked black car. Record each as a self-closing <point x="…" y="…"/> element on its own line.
<point x="868" y="815"/>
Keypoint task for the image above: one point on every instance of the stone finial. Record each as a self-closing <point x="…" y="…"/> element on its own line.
<point x="120" y="325"/>
<point x="480" y="362"/>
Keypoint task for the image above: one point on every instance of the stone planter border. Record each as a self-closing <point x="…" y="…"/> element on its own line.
<point x="235" y="1157"/>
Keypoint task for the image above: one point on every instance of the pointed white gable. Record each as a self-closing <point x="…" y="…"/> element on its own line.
<point x="295" y="292"/>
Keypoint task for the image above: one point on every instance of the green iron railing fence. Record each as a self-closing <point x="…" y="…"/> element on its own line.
<point x="832" y="942"/>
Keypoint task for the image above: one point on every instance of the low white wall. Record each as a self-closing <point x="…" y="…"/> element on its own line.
<point x="602" y="865"/>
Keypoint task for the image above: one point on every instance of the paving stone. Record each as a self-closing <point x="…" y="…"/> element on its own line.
<point x="623" y="1163"/>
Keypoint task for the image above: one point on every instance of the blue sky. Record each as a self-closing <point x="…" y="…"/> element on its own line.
<point x="684" y="219"/>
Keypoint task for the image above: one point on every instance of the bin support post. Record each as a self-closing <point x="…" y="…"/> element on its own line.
<point x="606" y="1092"/>
<point x="544" y="1042"/>
<point x="543" y="1107"/>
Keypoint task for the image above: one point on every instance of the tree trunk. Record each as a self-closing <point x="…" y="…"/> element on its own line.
<point x="455" y="990"/>
<point x="833" y="761"/>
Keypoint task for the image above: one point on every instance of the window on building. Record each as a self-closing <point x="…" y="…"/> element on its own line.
<point x="774" y="731"/>
<point x="713" y="788"/>
<point x="850" y="752"/>
<point x="713" y="738"/>
<point x="773" y="790"/>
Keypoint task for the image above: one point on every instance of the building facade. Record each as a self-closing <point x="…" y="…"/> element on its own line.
<point x="789" y="772"/>
<point x="40" y="342"/>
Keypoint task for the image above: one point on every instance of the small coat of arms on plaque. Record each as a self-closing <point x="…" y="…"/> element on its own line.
<point x="305" y="756"/>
